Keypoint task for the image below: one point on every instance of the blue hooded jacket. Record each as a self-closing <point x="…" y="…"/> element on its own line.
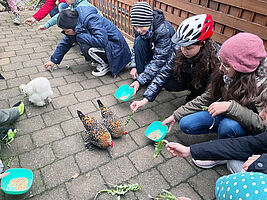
<point x="99" y="32"/>
<point x="159" y="69"/>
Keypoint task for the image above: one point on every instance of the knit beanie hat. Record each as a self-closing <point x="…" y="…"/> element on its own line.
<point x="67" y="19"/>
<point x="243" y="52"/>
<point x="141" y="14"/>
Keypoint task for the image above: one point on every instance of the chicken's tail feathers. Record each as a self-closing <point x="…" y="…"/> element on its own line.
<point x="80" y="114"/>
<point x="100" y="104"/>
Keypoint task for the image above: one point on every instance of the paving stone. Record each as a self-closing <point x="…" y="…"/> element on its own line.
<point x="85" y="107"/>
<point x="3" y="85"/>
<point x="118" y="171"/>
<point x="33" y="62"/>
<point x="19" y="145"/>
<point x="24" y="51"/>
<point x="70" y="88"/>
<point x="36" y="124"/>
<point x="88" y="160"/>
<point x="131" y="126"/>
<point x="122" y="146"/>
<point x="92" y="83"/>
<point x="72" y="126"/>
<point x="37" y="158"/>
<point x="143" y="158"/>
<point x="185" y="190"/>
<point x="38" y="184"/>
<point x="164" y="96"/>
<point x="122" y="110"/>
<point x="152" y="184"/>
<point x="68" y="146"/>
<point x="109" y="79"/>
<point x="174" y="176"/>
<point x="139" y="137"/>
<point x="9" y="75"/>
<point x="22" y="58"/>
<point x="145" y="117"/>
<point x="11" y="67"/>
<point x="204" y="183"/>
<point x="77" y="77"/>
<point x="55" y="82"/>
<point x="11" y="162"/>
<point x="47" y="135"/>
<point x="107" y="89"/>
<point x="59" y="172"/>
<point x="164" y="110"/>
<point x="86" y="95"/>
<point x="78" y="188"/>
<point x="58" y="193"/>
<point x="44" y="73"/>
<point x="32" y="110"/>
<point x="56" y="116"/>
<point x="63" y="101"/>
<point x="26" y="72"/>
<point x="193" y="139"/>
<point x="18" y="81"/>
<point x="7" y="54"/>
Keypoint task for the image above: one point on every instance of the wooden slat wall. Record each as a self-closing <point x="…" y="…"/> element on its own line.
<point x="230" y="16"/>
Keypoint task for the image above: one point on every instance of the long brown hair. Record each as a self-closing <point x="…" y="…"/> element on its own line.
<point x="243" y="87"/>
<point x="207" y="62"/>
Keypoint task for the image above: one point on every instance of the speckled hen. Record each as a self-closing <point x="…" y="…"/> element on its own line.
<point x="111" y="121"/>
<point x="97" y="134"/>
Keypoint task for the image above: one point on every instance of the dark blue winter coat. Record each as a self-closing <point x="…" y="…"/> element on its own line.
<point x="160" y="68"/>
<point x="99" y="32"/>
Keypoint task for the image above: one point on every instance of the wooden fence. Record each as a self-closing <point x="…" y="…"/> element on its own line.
<point x="230" y="16"/>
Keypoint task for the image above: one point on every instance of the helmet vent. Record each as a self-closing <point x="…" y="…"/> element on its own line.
<point x="199" y="26"/>
<point x="196" y="36"/>
<point x="185" y="28"/>
<point x="189" y="33"/>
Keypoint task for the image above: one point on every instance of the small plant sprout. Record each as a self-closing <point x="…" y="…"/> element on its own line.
<point x="204" y="108"/>
<point x="120" y="189"/>
<point x="158" y="147"/>
<point x="129" y="118"/>
<point x="67" y="66"/>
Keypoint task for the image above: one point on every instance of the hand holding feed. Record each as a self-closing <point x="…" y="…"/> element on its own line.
<point x="49" y="65"/>
<point x="217" y="108"/>
<point x="30" y="21"/>
<point x="177" y="149"/>
<point x="41" y="28"/>
<point x="171" y="121"/>
<point x="138" y="104"/>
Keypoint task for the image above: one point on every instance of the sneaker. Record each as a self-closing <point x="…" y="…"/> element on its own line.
<point x="100" y="70"/>
<point x="20" y="107"/>
<point x="16" y="19"/>
<point x="94" y="64"/>
<point x="206" y="164"/>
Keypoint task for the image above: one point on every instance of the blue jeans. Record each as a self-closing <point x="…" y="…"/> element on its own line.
<point x="200" y="122"/>
<point x="58" y="8"/>
<point x="143" y="53"/>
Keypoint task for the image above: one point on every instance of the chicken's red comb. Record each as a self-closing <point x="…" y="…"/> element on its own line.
<point x="111" y="143"/>
<point x="126" y="133"/>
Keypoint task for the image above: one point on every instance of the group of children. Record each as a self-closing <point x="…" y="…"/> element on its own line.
<point x="227" y="82"/>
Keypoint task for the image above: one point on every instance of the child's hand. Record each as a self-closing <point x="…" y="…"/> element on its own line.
<point x="171" y="121"/>
<point x="57" y="2"/>
<point x="135" y="85"/>
<point x="30" y="21"/>
<point x="217" y="108"/>
<point x="177" y="149"/>
<point x="250" y="160"/>
<point x="138" y="104"/>
<point x="41" y="28"/>
<point x="49" y="65"/>
<point x="134" y="73"/>
<point x="3" y="175"/>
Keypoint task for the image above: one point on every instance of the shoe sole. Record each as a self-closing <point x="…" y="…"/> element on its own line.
<point x="98" y="74"/>
<point x="209" y="166"/>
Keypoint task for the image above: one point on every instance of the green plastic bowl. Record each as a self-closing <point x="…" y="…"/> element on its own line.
<point x="16" y="173"/>
<point x="156" y="126"/>
<point x="124" y="93"/>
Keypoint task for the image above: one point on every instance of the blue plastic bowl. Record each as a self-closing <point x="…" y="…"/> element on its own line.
<point x="16" y="173"/>
<point x="124" y="93"/>
<point x="161" y="131"/>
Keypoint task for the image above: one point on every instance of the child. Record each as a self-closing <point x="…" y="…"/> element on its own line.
<point x="231" y="95"/>
<point x="73" y="4"/>
<point x="99" y="40"/>
<point x="13" y="6"/>
<point x="153" y="52"/>
<point x="48" y="7"/>
<point x="196" y="59"/>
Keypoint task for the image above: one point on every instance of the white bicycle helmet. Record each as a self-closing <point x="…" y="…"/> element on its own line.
<point x="194" y="29"/>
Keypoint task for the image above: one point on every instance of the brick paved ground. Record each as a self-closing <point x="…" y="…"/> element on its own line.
<point x="50" y="141"/>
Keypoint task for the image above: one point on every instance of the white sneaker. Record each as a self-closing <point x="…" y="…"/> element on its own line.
<point x="94" y="64"/>
<point x="206" y="164"/>
<point x="100" y="70"/>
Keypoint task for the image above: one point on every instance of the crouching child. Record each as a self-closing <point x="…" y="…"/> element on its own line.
<point x="100" y="40"/>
